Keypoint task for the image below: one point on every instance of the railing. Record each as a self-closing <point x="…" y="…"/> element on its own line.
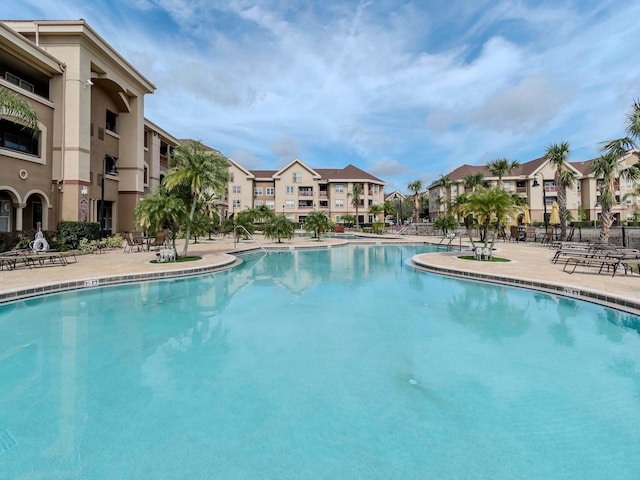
<point x="235" y="237"/>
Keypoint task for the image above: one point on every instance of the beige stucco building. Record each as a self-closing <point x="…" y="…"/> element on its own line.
<point x="90" y="103"/>
<point x="529" y="177"/>
<point x="296" y="189"/>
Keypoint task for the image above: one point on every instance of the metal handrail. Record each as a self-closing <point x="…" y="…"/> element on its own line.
<point x="235" y="237"/>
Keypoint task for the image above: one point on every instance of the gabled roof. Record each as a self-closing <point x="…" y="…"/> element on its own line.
<point x="395" y="194"/>
<point x="264" y="174"/>
<point x="299" y="162"/>
<point x="583" y="167"/>
<point x="350" y="172"/>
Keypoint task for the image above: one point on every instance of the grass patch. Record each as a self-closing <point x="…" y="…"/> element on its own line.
<point x="189" y="258"/>
<point x="493" y="259"/>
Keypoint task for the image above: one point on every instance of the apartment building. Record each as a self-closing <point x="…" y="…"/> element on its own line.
<point x="296" y="189"/>
<point x="535" y="182"/>
<point x="95" y="155"/>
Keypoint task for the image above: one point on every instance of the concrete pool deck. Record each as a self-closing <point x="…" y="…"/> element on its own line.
<point x="530" y="267"/>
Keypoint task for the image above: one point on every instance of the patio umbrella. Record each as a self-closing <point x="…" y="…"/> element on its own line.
<point x="554" y="218"/>
<point x="526" y="219"/>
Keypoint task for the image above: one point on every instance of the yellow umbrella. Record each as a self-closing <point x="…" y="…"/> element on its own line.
<point x="526" y="219"/>
<point x="554" y="218"/>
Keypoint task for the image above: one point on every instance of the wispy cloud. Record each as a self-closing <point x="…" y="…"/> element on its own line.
<point x="405" y="92"/>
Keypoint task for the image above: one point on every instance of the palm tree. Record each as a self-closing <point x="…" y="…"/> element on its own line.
<point x="633" y="120"/>
<point x="13" y="107"/>
<point x="444" y="183"/>
<point x="376" y="211"/>
<point x="161" y="209"/>
<point x="473" y="181"/>
<point x="501" y="167"/>
<point x="608" y="167"/>
<point x="318" y="223"/>
<point x="200" y="170"/>
<point x="356" y="192"/>
<point x="493" y="204"/>
<point x="415" y="187"/>
<point x="557" y="154"/>
<point x="279" y="226"/>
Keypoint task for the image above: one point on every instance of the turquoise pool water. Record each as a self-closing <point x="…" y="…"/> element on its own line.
<point x="339" y="364"/>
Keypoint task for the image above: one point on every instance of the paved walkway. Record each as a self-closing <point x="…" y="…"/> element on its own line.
<point x="530" y="266"/>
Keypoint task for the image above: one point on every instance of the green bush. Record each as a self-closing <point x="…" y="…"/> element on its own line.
<point x="70" y="233"/>
<point x="8" y="241"/>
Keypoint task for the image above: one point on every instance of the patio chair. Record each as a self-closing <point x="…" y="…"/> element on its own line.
<point x="160" y="240"/>
<point x="133" y="239"/>
<point x="546" y="236"/>
<point x="517" y="235"/>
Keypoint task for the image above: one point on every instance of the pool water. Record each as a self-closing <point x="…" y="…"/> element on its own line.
<point x="342" y="363"/>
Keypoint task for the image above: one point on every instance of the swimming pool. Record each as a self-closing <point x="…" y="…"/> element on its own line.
<point x="335" y="363"/>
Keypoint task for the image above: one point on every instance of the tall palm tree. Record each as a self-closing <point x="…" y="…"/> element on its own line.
<point x="633" y="120"/>
<point x="557" y="154"/>
<point x="200" y="170"/>
<point x="13" y="107"/>
<point x="356" y="192"/>
<point x="416" y="187"/>
<point x="473" y="181"/>
<point x="608" y="167"/>
<point x="501" y="167"/>
<point x="445" y="184"/>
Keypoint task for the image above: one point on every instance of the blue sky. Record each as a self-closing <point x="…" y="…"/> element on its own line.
<point x="406" y="90"/>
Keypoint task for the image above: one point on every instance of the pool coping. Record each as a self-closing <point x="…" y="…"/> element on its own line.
<point x="110" y="280"/>
<point x="578" y="293"/>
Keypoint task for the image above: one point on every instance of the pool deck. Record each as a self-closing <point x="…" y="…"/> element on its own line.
<point x="530" y="267"/>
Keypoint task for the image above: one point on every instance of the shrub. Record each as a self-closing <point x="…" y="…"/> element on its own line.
<point x="70" y="233"/>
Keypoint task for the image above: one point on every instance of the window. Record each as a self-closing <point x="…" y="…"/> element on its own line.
<point x="297" y="177"/>
<point x="258" y="203"/>
<point x="271" y="205"/>
<point x="236" y="189"/>
<point x="146" y="175"/>
<point x="629" y="184"/>
<point x="339" y="203"/>
<point x="5" y="216"/>
<point x="290" y="190"/>
<point x="288" y="204"/>
<point x="11" y="78"/>
<point x="271" y="191"/>
<point x="506" y="186"/>
<point x="628" y="200"/>
<point x="111" y="121"/>
<point x="231" y="177"/>
<point x="14" y="137"/>
<point x="236" y="204"/>
<point x="257" y="191"/>
<point x="339" y="188"/>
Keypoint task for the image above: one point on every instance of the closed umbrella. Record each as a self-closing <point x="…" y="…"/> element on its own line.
<point x="526" y="219"/>
<point x="554" y="219"/>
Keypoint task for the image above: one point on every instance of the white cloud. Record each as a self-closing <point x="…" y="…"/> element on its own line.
<point x="430" y="87"/>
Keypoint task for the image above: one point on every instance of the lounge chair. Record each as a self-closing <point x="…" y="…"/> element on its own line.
<point x="134" y="239"/>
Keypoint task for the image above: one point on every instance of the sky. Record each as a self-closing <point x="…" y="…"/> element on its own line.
<point x="405" y="90"/>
